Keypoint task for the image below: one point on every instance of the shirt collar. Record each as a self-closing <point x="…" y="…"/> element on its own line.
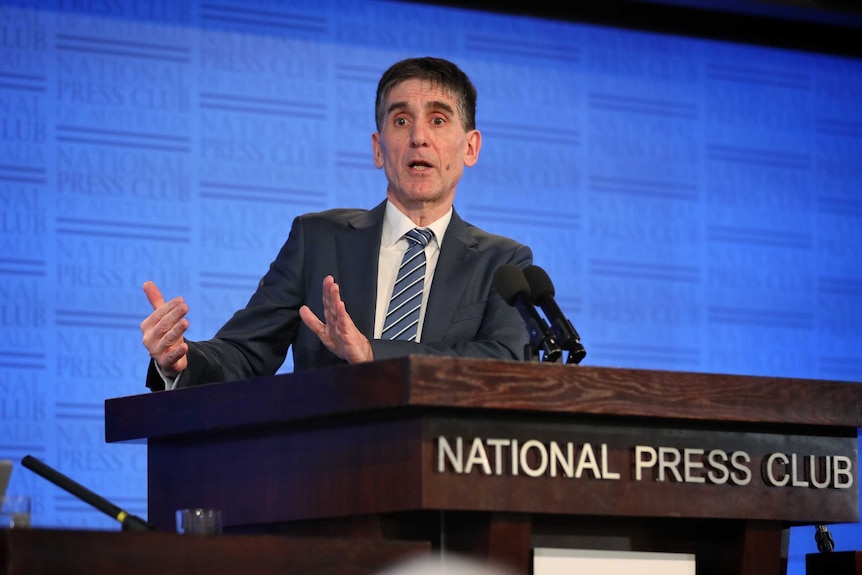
<point x="396" y="224"/>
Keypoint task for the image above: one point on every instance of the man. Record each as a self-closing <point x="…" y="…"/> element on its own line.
<point x="327" y="293"/>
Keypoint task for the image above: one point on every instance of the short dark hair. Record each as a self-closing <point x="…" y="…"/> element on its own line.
<point x="439" y="72"/>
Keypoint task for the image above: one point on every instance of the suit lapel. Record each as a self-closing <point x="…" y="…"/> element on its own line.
<point x="358" y="275"/>
<point x="451" y="277"/>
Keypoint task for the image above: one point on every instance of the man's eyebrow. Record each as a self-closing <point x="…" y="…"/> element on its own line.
<point x="396" y="106"/>
<point x="433" y="105"/>
<point x="439" y="105"/>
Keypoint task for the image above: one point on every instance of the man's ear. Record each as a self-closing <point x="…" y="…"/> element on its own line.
<point x="474" y="143"/>
<point x="378" y="152"/>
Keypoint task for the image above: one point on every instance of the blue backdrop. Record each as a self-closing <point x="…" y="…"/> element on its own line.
<point x="696" y="202"/>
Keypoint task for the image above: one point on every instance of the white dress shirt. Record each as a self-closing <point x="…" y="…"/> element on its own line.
<point x="393" y="245"/>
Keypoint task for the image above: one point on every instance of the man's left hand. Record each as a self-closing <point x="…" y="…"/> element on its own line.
<point x="339" y="334"/>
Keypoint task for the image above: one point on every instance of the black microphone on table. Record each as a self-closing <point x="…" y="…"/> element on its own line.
<point x="511" y="284"/>
<point x="823" y="538"/>
<point x="128" y="521"/>
<point x="542" y="295"/>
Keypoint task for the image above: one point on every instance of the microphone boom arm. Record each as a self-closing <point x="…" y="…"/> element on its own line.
<point x="128" y="521"/>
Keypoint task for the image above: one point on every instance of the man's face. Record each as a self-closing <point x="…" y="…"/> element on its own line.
<point x="422" y="146"/>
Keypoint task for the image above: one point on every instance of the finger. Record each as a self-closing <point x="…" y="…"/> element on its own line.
<point x="163" y="333"/>
<point x="153" y="294"/>
<point x="165" y="317"/>
<point x="174" y="361"/>
<point x="328" y="286"/>
<point x="174" y="332"/>
<point x="316" y="326"/>
<point x="344" y="323"/>
<point x="336" y="312"/>
<point x="175" y="358"/>
<point x="311" y="320"/>
<point x="170" y="350"/>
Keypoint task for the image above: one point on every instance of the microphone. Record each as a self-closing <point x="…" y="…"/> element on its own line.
<point x="823" y="538"/>
<point x="510" y="282"/>
<point x="129" y="522"/>
<point x="542" y="295"/>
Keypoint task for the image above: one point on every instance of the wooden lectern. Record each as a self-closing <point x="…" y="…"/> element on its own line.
<point x="495" y="458"/>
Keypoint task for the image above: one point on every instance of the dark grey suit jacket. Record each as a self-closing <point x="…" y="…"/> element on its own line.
<point x="464" y="316"/>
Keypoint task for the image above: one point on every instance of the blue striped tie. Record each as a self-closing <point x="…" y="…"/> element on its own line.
<point x="402" y="317"/>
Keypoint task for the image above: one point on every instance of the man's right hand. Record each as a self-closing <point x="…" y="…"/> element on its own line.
<point x="163" y="331"/>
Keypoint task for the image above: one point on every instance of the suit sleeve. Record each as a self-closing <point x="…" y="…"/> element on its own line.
<point x="254" y="342"/>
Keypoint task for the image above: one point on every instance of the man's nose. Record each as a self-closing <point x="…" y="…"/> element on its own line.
<point x="419" y="135"/>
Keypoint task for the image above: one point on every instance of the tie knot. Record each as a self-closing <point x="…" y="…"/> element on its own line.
<point x="419" y="236"/>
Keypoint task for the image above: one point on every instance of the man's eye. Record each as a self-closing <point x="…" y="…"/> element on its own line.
<point x="438" y="121"/>
<point x="400" y="121"/>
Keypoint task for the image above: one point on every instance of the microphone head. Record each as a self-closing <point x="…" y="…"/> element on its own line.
<point x="539" y="282"/>
<point x="510" y="282"/>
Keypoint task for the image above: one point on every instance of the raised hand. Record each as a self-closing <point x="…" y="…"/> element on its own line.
<point x="339" y="334"/>
<point x="163" y="331"/>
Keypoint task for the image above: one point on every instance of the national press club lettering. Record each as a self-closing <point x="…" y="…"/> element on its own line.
<point x="569" y="460"/>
